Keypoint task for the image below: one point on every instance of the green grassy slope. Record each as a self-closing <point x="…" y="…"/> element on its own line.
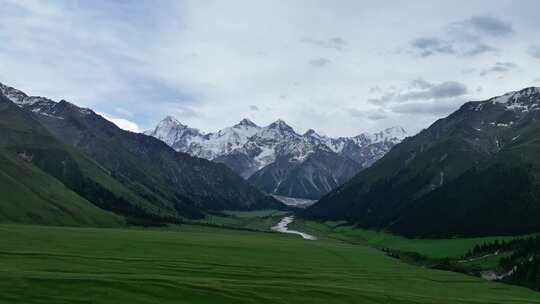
<point x="27" y="193"/>
<point x="205" y="265"/>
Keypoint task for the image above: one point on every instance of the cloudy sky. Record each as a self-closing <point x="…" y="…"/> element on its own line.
<point x="340" y="67"/>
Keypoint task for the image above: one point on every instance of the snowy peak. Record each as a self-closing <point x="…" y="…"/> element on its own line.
<point x="524" y="100"/>
<point x="516" y="95"/>
<point x="312" y="133"/>
<point x="210" y="146"/>
<point x="38" y="104"/>
<point x="275" y="157"/>
<point x="19" y="97"/>
<point x="169" y="123"/>
<point x="247" y="148"/>
<point x="395" y="133"/>
<point x="174" y="133"/>
<point x="281" y="126"/>
<point x="225" y="141"/>
<point x="170" y="120"/>
<point x="12" y="94"/>
<point x="246" y="123"/>
<point x="278" y="131"/>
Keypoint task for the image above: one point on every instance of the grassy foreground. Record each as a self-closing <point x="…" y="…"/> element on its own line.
<point x="211" y="265"/>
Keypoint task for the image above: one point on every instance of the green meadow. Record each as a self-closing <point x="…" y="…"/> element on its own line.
<point x="431" y="248"/>
<point x="257" y="220"/>
<point x="199" y="264"/>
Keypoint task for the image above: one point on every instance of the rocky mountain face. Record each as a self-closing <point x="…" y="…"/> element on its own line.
<point x="475" y="172"/>
<point x="142" y="171"/>
<point x="278" y="160"/>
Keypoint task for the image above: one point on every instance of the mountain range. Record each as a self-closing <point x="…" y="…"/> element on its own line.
<point x="475" y="172"/>
<point x="278" y="160"/>
<point x="92" y="163"/>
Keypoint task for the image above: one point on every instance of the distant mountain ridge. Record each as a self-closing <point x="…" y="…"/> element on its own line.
<point x="475" y="172"/>
<point x="278" y="160"/>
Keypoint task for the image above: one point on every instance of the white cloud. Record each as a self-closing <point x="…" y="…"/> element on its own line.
<point x="122" y="123"/>
<point x="213" y="63"/>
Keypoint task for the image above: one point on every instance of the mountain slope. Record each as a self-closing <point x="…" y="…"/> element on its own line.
<point x="276" y="159"/>
<point x="474" y="172"/>
<point x="172" y="184"/>
<point x="317" y="175"/>
<point x="29" y="192"/>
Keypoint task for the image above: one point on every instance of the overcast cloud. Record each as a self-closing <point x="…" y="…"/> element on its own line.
<point x="339" y="67"/>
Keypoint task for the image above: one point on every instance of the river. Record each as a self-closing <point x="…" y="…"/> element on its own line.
<point x="282" y="227"/>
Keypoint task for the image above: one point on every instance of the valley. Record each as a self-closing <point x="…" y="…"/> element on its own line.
<point x="196" y="264"/>
<point x="216" y="237"/>
<point x="206" y="233"/>
<point x="269" y="152"/>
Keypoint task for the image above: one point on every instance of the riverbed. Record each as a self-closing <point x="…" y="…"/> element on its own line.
<point x="282" y="227"/>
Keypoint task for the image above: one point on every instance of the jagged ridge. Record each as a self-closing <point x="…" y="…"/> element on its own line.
<point x="277" y="159"/>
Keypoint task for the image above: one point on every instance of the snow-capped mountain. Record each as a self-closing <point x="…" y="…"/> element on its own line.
<point x="267" y="155"/>
<point x="20" y="98"/>
<point x="210" y="146"/>
<point x="524" y="101"/>
<point x="365" y="148"/>
<point x="175" y="134"/>
<point x="37" y="104"/>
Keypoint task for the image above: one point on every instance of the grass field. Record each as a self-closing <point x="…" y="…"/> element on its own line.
<point x="31" y="196"/>
<point x="261" y="220"/>
<point x="431" y="248"/>
<point x="196" y="264"/>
